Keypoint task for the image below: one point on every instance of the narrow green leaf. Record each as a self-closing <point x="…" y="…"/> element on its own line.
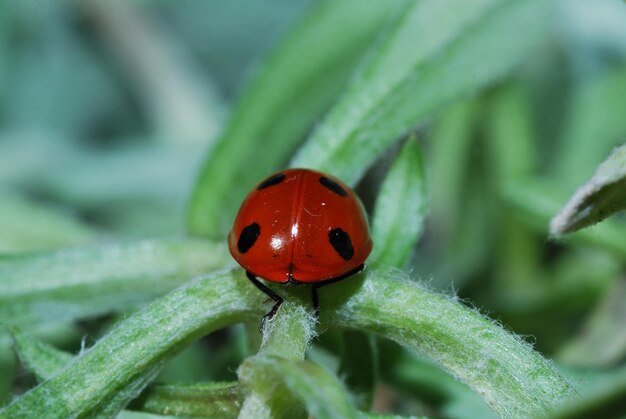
<point x="8" y="369"/>
<point x="431" y="58"/>
<point x="511" y="147"/>
<point x="594" y="124"/>
<point x="449" y="168"/>
<point x="112" y="404"/>
<point x="322" y="393"/>
<point x="511" y="140"/>
<point x="603" y="195"/>
<point x="96" y="181"/>
<point x="25" y="226"/>
<point x="65" y="285"/>
<point x="127" y="414"/>
<point x="535" y="200"/>
<point x="400" y="209"/>
<point x="459" y="201"/>
<point x="139" y="345"/>
<point x="286" y="337"/>
<point x="353" y="356"/>
<point x="220" y="400"/>
<point x="297" y="82"/>
<point x="420" y="377"/>
<point x="514" y="380"/>
<point x="208" y="400"/>
<point x="44" y="361"/>
<point x="379" y="416"/>
<point x="289" y="333"/>
<point x="41" y="359"/>
<point x="359" y="366"/>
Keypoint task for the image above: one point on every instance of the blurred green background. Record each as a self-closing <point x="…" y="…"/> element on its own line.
<point x="107" y="110"/>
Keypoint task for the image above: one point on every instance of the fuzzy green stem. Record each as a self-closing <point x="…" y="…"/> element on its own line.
<point x="324" y="396"/>
<point x="61" y="286"/>
<point x="141" y="344"/>
<point x="286" y="337"/>
<point x="198" y="399"/>
<point x="219" y="400"/>
<point x="514" y="380"/>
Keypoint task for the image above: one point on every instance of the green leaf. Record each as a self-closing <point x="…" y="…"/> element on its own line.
<point x="198" y="399"/>
<point x="70" y="284"/>
<point x="353" y="356"/>
<point x="434" y="56"/>
<point x="511" y="138"/>
<point x="112" y="404"/>
<point x="289" y="332"/>
<point x="8" y="370"/>
<point x="460" y="209"/>
<point x="322" y="393"/>
<point x="113" y="370"/>
<point x="295" y="84"/>
<point x="535" y="200"/>
<point x="127" y="414"/>
<point x="209" y="400"/>
<point x="451" y="141"/>
<point x="511" y="147"/>
<point x="400" y="209"/>
<point x="26" y="226"/>
<point x="359" y="366"/>
<point x="514" y="380"/>
<point x="379" y="416"/>
<point x="41" y="359"/>
<point x="603" y="195"/>
<point x="420" y="377"/>
<point x="286" y="336"/>
<point x="44" y="361"/>
<point x="594" y="123"/>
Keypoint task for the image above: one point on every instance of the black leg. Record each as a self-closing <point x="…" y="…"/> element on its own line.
<point x="315" y="299"/>
<point x="278" y="300"/>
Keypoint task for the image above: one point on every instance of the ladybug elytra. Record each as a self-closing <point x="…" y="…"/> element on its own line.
<point x="300" y="226"/>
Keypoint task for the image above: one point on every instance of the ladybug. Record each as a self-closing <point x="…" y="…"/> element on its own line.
<point x="300" y="226"/>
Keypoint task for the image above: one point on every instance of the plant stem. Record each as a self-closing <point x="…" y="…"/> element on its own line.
<point x="141" y="344"/>
<point x="287" y="336"/>
<point x="513" y="379"/>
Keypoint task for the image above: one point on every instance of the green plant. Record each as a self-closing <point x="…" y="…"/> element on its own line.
<point x="400" y="95"/>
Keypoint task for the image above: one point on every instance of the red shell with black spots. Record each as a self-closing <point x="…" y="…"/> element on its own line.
<point x="300" y="225"/>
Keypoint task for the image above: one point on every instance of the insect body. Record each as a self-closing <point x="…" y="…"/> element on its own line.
<point x="300" y="226"/>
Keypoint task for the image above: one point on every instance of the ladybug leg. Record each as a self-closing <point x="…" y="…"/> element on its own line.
<point x="314" y="297"/>
<point x="315" y="301"/>
<point x="278" y="300"/>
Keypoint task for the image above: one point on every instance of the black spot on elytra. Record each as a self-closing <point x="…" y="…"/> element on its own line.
<point x="271" y="181"/>
<point x="248" y="237"/>
<point x="333" y="186"/>
<point x="341" y="242"/>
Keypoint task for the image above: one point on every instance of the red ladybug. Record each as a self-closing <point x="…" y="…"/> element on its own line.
<point x="300" y="226"/>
